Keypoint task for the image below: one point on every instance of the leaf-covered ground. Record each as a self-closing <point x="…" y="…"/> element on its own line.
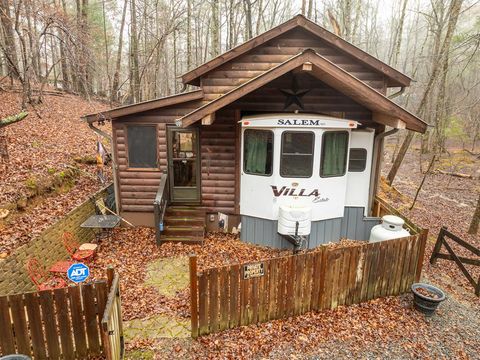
<point x="41" y="147"/>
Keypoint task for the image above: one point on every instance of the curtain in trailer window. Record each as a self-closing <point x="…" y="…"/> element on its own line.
<point x="334" y="153"/>
<point x="257" y="152"/>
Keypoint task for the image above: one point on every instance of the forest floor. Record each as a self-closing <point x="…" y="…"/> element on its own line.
<point x="46" y="175"/>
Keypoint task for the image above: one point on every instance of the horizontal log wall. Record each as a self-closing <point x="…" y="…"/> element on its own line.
<point x="296" y="284"/>
<point x="217" y="147"/>
<point x="137" y="188"/>
<point x="276" y="51"/>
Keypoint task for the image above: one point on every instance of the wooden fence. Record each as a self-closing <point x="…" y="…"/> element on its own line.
<point x="461" y="261"/>
<point x="237" y="295"/>
<point x="112" y="328"/>
<point x="60" y="324"/>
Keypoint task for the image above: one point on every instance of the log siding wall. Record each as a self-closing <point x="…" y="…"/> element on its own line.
<point x="258" y="60"/>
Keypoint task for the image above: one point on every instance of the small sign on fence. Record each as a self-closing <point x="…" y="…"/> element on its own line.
<point x="253" y="270"/>
<point x="78" y="272"/>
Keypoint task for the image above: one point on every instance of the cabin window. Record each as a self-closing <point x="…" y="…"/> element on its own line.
<point x="297" y="154"/>
<point x="142" y="146"/>
<point x="258" y="152"/>
<point x="357" y="161"/>
<point x="334" y="153"/>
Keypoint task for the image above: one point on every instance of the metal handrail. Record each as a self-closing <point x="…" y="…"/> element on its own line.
<point x="160" y="205"/>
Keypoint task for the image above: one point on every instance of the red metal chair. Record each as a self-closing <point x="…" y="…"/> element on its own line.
<point x="73" y="248"/>
<point x="41" y="278"/>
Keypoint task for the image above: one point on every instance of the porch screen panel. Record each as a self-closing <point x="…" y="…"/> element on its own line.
<point x="334" y="153"/>
<point x="258" y="152"/>
<point x="142" y="146"/>
<point x="297" y="154"/>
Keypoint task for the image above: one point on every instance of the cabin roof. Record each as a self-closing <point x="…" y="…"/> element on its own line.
<point x="144" y="106"/>
<point x="384" y="110"/>
<point x="394" y="77"/>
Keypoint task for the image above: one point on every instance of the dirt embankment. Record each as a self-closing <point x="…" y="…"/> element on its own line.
<point x="45" y="176"/>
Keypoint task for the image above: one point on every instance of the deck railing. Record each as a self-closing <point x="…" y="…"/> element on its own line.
<point x="160" y="205"/>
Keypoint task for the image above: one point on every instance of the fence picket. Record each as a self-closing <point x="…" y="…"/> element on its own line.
<point x="234" y="295"/>
<point x="7" y="340"/>
<point x="91" y="321"/>
<point x="64" y="323"/>
<point x="223" y="300"/>
<point x="203" y="323"/>
<point x="20" y="328"/>
<point x="272" y="289"/>
<point x="78" y="322"/>
<point x="35" y="323"/>
<point x="48" y="314"/>
<point x="213" y="299"/>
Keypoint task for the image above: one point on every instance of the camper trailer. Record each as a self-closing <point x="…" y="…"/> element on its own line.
<point x="282" y="139"/>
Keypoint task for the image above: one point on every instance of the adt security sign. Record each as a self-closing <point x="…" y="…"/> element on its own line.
<point x="78" y="272"/>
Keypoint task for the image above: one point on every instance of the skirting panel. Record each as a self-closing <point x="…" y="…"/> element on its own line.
<point x="352" y="226"/>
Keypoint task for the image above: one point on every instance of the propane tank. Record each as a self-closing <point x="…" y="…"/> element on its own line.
<point x="390" y="228"/>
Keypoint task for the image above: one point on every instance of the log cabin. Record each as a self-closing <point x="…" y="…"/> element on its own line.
<point x="282" y="136"/>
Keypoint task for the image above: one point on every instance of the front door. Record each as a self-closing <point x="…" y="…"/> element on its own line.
<point x="183" y="165"/>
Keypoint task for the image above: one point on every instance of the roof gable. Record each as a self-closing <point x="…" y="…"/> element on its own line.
<point x="385" y="110"/>
<point x="393" y="77"/>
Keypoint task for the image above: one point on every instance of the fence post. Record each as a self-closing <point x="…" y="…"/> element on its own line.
<point x="193" y="294"/>
<point x="438" y="245"/>
<point x="421" y="253"/>
<point x="110" y="275"/>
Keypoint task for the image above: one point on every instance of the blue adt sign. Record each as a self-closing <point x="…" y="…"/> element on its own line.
<point x="78" y="272"/>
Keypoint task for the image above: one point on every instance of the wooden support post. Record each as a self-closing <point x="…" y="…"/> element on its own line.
<point x="110" y="276"/>
<point x="208" y="119"/>
<point x="421" y="252"/>
<point x="438" y="245"/>
<point x="193" y="294"/>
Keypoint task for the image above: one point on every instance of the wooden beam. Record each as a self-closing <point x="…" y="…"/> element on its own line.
<point x="145" y="106"/>
<point x="391" y="121"/>
<point x="208" y="119"/>
<point x="307" y="66"/>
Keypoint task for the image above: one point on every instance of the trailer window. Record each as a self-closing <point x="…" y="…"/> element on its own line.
<point x="142" y="146"/>
<point x="297" y="154"/>
<point x="258" y="152"/>
<point x="334" y="153"/>
<point x="357" y="161"/>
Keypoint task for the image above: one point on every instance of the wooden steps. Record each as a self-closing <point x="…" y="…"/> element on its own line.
<point x="185" y="224"/>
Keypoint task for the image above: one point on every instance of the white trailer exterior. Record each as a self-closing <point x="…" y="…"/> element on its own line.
<point x="303" y="161"/>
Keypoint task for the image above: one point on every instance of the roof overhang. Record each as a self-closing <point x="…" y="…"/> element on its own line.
<point x="144" y="106"/>
<point x="394" y="77"/>
<point x="384" y="110"/>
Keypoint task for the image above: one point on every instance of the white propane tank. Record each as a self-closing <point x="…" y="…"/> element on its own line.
<point x="390" y="228"/>
<point x="288" y="217"/>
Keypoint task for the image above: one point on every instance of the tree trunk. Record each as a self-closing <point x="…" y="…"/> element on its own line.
<point x="454" y="12"/>
<point x="473" y="229"/>
<point x="118" y="64"/>
<point x="215" y="23"/>
<point x="134" y="60"/>
<point x="9" y="47"/>
<point x="247" y="7"/>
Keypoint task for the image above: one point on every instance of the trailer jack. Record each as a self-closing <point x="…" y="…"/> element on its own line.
<point x="296" y="240"/>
